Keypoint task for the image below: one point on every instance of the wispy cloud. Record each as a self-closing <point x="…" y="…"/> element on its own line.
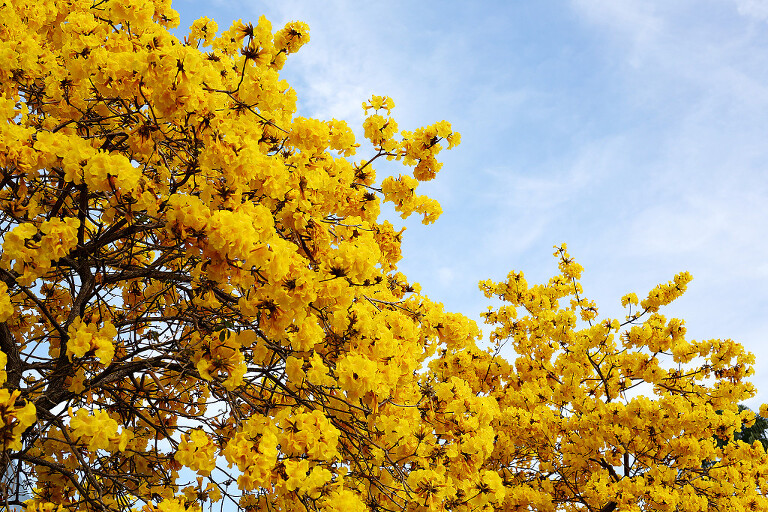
<point x="753" y="8"/>
<point x="638" y="23"/>
<point x="634" y="131"/>
<point x="697" y="77"/>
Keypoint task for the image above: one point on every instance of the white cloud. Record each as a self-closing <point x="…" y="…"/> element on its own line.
<point x="636" y="21"/>
<point x="691" y="225"/>
<point x="446" y="276"/>
<point x="757" y="9"/>
<point x="332" y="72"/>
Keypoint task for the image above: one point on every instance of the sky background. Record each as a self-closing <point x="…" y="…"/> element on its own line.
<point x="634" y="131"/>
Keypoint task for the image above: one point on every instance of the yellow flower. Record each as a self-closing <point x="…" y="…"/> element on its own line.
<point x="78" y="382"/>
<point x="26" y="416"/>
<point x="342" y="499"/>
<point x="98" y="430"/>
<point x="59" y="238"/>
<point x="203" y="28"/>
<point x="292" y="37"/>
<point x="6" y="307"/>
<point x="296" y="471"/>
<point x="430" y="487"/>
<point x="106" y="172"/>
<point x="197" y="452"/>
<point x="86" y="338"/>
<point x="293" y="369"/>
<point x="18" y="245"/>
<point x="357" y="375"/>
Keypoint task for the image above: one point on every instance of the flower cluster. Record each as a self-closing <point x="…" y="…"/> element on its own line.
<point x="89" y="339"/>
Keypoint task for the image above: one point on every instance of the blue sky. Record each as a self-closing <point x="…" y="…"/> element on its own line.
<point x="634" y="131"/>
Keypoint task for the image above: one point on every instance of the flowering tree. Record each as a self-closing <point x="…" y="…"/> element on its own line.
<point x="200" y="307"/>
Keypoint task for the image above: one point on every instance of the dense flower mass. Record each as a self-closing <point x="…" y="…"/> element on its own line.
<point x="201" y="309"/>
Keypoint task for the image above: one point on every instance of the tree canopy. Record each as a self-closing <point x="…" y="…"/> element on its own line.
<point x="201" y="307"/>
